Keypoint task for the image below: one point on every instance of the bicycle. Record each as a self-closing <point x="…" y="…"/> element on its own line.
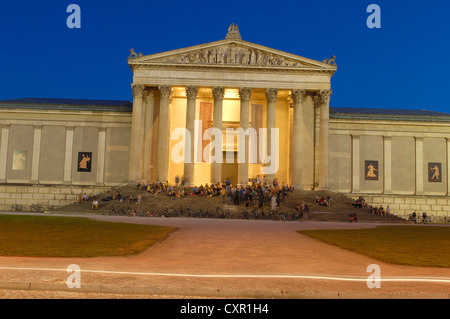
<point x="16" y="208"/>
<point x="36" y="208"/>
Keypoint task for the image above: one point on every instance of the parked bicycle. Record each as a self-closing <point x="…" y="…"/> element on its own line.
<point x="36" y="208"/>
<point x="17" y="208"/>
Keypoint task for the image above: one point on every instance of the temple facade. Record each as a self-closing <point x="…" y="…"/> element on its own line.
<point x="231" y="85"/>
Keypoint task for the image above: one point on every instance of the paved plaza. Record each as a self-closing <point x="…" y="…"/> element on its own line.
<point x="224" y="258"/>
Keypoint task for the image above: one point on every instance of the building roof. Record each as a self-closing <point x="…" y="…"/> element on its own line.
<point x="388" y="114"/>
<point x="67" y="104"/>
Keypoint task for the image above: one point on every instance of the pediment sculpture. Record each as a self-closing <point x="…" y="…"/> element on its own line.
<point x="232" y="55"/>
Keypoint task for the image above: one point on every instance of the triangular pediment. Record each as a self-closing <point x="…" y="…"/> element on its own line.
<point x="231" y="53"/>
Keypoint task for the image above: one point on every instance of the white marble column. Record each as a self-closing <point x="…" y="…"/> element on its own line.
<point x="162" y="165"/>
<point x="298" y="97"/>
<point x="191" y="94"/>
<point x="149" y="101"/>
<point x="135" y="173"/>
<point x="216" y="168"/>
<point x="271" y="98"/>
<point x="4" y="152"/>
<point x="245" y="95"/>
<point x="36" y="154"/>
<point x="324" y="99"/>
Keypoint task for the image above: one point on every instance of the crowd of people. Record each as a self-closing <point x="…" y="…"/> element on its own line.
<point x="258" y="194"/>
<point x="375" y="210"/>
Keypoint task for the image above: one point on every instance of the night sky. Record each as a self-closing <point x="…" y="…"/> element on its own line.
<point x="403" y="64"/>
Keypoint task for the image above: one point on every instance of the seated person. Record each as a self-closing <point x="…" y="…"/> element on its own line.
<point x="357" y="204"/>
<point x="107" y="197"/>
<point x="94" y="204"/>
<point x="353" y="217"/>
<point x="375" y="210"/>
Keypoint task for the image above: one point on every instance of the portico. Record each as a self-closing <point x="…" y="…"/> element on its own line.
<point x="230" y="84"/>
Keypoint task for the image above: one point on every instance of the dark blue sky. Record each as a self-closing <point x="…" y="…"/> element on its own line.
<point x="405" y="64"/>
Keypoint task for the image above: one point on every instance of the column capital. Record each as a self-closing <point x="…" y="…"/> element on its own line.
<point x="324" y="96"/>
<point x="271" y="95"/>
<point x="148" y="94"/>
<point x="191" y="92"/>
<point x="138" y="89"/>
<point x="245" y="93"/>
<point x="218" y="92"/>
<point x="165" y="91"/>
<point x="298" y="95"/>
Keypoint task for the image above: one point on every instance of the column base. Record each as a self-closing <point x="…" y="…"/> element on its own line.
<point x="323" y="188"/>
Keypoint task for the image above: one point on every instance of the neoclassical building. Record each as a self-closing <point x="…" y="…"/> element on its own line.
<point x="53" y="149"/>
<point x="233" y="84"/>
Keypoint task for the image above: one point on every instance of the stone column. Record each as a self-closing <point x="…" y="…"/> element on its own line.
<point x="419" y="165"/>
<point x="355" y="164"/>
<point x="4" y="152"/>
<point x="216" y="168"/>
<point x="149" y="101"/>
<point x="298" y="97"/>
<point x="163" y="134"/>
<point x="447" y="142"/>
<point x="271" y="97"/>
<point x="316" y="158"/>
<point x="324" y="99"/>
<point x="135" y="173"/>
<point x="191" y="94"/>
<point x="68" y="154"/>
<point x="101" y="155"/>
<point x="36" y="154"/>
<point x="387" y="145"/>
<point x="245" y="94"/>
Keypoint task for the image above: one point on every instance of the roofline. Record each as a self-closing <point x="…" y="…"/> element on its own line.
<point x="385" y="117"/>
<point x="67" y="107"/>
<point x="319" y="65"/>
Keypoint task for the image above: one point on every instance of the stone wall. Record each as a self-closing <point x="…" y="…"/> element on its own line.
<point x="403" y="153"/>
<point x="43" y="195"/>
<point x="404" y="205"/>
<point x="44" y="147"/>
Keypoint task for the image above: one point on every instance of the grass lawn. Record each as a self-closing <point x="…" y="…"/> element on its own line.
<point x="48" y="236"/>
<point x="426" y="246"/>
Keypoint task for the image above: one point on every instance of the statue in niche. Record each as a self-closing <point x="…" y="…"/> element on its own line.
<point x="246" y="57"/>
<point x="273" y="60"/>
<point x="259" y="59"/>
<point x="220" y="55"/>
<point x="212" y="56"/>
<point x="194" y="57"/>
<point x="183" y="58"/>
<point x="232" y="56"/>
<point x="253" y="58"/>
<point x="205" y="56"/>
